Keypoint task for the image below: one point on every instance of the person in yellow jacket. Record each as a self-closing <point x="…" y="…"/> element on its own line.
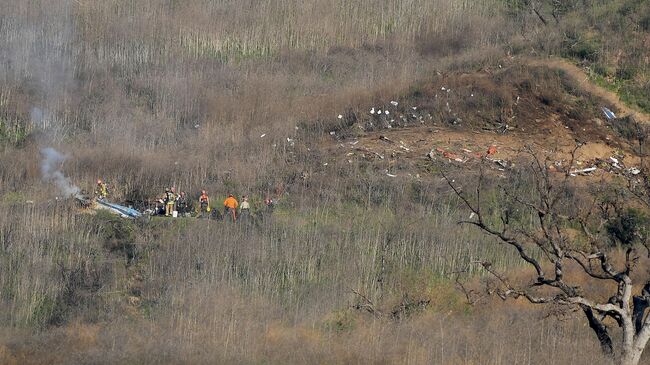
<point x="101" y="191"/>
<point x="170" y="201"/>
<point x="230" y="207"/>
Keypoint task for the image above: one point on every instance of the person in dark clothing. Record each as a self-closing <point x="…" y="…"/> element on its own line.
<point x="181" y="204"/>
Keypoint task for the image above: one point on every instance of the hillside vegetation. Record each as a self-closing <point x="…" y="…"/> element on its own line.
<point x="362" y="260"/>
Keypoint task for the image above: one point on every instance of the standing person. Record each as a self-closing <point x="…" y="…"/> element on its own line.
<point x="204" y="203"/>
<point x="270" y="204"/>
<point x="230" y="207"/>
<point x="244" y="208"/>
<point x="170" y="200"/>
<point x="101" y="191"/>
<point x="181" y="204"/>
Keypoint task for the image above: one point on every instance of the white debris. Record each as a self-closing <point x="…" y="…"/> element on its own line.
<point x="394" y="103"/>
<point x="391" y="175"/>
<point x="325" y="164"/>
<point x="386" y="112"/>
<point x="340" y="116"/>
<point x="616" y="163"/>
<point x="414" y="108"/>
<point x="443" y="88"/>
<point x="332" y="133"/>
<point x="372" y="111"/>
<point x="196" y="126"/>
<point x="633" y="171"/>
<point x="263" y="135"/>
<point x="379" y="112"/>
<point x="608" y="113"/>
<point x="583" y="171"/>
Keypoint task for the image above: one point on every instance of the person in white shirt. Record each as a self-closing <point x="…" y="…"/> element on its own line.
<point x="244" y="207"/>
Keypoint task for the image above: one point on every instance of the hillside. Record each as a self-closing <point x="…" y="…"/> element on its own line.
<point x="375" y="126"/>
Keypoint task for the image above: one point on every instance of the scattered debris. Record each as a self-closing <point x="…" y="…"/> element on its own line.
<point x="586" y="171"/>
<point x="503" y="164"/>
<point x="403" y="146"/>
<point x="394" y="103"/>
<point x="615" y="163"/>
<point x="263" y="135"/>
<point x="608" y="113"/>
<point x="365" y="150"/>
<point x="386" y="139"/>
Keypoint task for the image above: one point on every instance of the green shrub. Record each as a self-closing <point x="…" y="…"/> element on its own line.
<point x="118" y="234"/>
<point x="636" y="95"/>
<point x="627" y="227"/>
<point x="14" y="134"/>
<point x="584" y="49"/>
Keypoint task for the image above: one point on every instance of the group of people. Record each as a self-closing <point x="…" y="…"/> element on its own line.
<point x="173" y="204"/>
<point x="232" y="208"/>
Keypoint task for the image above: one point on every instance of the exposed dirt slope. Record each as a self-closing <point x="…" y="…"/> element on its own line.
<point x="456" y="118"/>
<point x="581" y="77"/>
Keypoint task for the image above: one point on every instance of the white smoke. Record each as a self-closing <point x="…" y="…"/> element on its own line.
<point x="51" y="171"/>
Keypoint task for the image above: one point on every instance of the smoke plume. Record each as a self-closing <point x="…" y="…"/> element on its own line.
<point x="51" y="171"/>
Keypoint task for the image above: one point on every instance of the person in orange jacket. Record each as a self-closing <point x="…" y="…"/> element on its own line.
<point x="230" y="207"/>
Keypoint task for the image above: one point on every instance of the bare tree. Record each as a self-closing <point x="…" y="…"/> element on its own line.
<point x="551" y="248"/>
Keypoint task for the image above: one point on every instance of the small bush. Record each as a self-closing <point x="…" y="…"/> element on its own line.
<point x="118" y="234"/>
<point x="627" y="227"/>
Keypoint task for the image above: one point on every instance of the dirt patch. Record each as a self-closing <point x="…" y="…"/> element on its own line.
<point x="458" y="118"/>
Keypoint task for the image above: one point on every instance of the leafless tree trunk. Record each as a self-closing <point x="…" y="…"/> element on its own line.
<point x="550" y="246"/>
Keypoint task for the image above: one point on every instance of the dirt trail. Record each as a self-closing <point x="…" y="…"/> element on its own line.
<point x="582" y="78"/>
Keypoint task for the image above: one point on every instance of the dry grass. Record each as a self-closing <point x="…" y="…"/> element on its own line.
<point x="147" y="94"/>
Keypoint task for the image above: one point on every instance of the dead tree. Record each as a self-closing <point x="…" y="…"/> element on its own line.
<point x="550" y="249"/>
